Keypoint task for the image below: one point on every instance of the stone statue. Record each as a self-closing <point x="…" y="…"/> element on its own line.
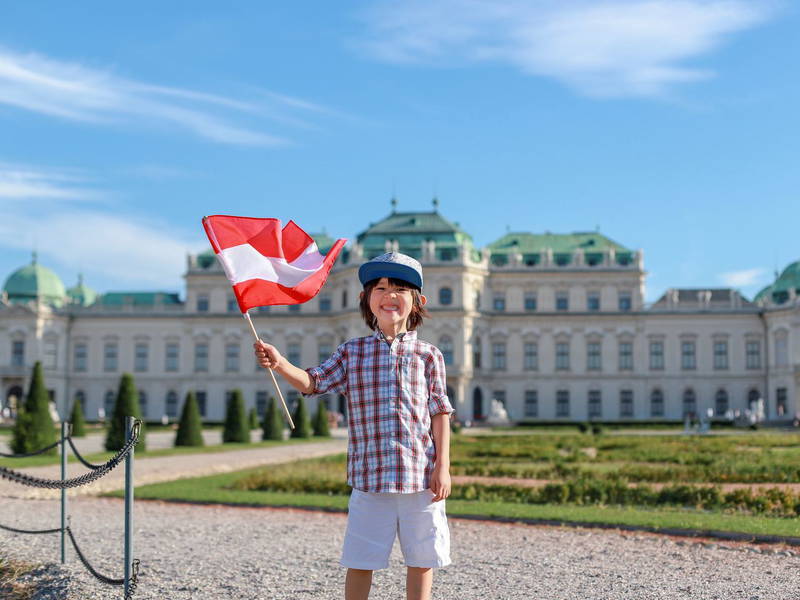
<point x="497" y="414"/>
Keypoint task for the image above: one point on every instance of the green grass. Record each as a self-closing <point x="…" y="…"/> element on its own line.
<point x="218" y="489"/>
<point x="101" y="457"/>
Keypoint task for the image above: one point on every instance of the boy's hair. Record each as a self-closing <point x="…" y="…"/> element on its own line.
<point x="417" y="309"/>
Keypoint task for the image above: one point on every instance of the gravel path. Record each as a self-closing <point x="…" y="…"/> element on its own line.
<point x="216" y="553"/>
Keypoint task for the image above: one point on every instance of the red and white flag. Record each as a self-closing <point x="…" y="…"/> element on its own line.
<point x="268" y="264"/>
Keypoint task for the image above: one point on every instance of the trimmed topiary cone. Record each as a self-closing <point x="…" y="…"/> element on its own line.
<point x="34" y="428"/>
<point x="127" y="405"/>
<point x="190" y="428"/>
<point x="77" y="420"/>
<point x="236" y="425"/>
<point x="302" y="426"/>
<point x="253" y="419"/>
<point x="321" y="427"/>
<point x="272" y="428"/>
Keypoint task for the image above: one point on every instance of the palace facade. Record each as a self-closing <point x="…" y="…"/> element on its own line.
<point x="554" y="326"/>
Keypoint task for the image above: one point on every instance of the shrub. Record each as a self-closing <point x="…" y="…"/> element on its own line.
<point x="236" y="428"/>
<point x="321" y="428"/>
<point x="583" y="427"/>
<point x="272" y="428"/>
<point x="302" y="426"/>
<point x="77" y="420"/>
<point x="126" y="405"/>
<point x="34" y="427"/>
<point x="190" y="429"/>
<point x="598" y="429"/>
<point x="252" y="419"/>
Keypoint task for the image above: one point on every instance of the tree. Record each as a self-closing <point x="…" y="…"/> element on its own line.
<point x="34" y="428"/>
<point x="302" y="426"/>
<point x="253" y="419"/>
<point x="126" y="405"/>
<point x="77" y="419"/>
<point x="272" y="428"/>
<point x="321" y="427"/>
<point x="236" y="426"/>
<point x="190" y="429"/>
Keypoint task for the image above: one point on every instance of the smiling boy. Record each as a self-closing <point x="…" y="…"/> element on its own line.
<point x="398" y="457"/>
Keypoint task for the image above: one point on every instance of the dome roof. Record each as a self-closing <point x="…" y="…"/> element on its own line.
<point x="778" y="292"/>
<point x="34" y="282"/>
<point x="81" y="294"/>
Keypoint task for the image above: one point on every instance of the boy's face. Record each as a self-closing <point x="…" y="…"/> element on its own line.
<point x="391" y="305"/>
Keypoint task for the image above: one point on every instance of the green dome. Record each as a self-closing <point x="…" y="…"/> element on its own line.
<point x="34" y="282"/>
<point x="778" y="292"/>
<point x="207" y="258"/>
<point x="81" y="294"/>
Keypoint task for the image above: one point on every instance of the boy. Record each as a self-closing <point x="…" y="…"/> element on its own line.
<point x="398" y="456"/>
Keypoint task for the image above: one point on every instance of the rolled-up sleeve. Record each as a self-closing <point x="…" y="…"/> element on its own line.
<point x="438" y="402"/>
<point x="331" y="375"/>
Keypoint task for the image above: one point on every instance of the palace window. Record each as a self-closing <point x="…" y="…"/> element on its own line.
<point x="201" y="358"/>
<point x="140" y="352"/>
<point x="657" y="356"/>
<point x="780" y="401"/>
<point x="476" y="353"/>
<point x="232" y="358"/>
<point x="500" y="396"/>
<point x="202" y="402"/>
<point x="562" y="356"/>
<point x="530" y="356"/>
<point x="110" y="356"/>
<point x="531" y="403"/>
<point x="499" y="356"/>
<point x="325" y="303"/>
<point x="593" y="301"/>
<point x="499" y="303"/>
<point x="562" y="403"/>
<point x="626" y="356"/>
<point x="753" y="354"/>
<point x="626" y="404"/>
<point x="324" y="351"/>
<point x="688" y="359"/>
<point x="781" y="350"/>
<point x="721" y="403"/>
<point x="202" y="303"/>
<point x="530" y="302"/>
<point x="80" y="355"/>
<point x="294" y="308"/>
<point x="293" y="353"/>
<point x="689" y="402"/>
<point x="625" y="301"/>
<point x="171" y="356"/>
<point x="80" y="399"/>
<point x="261" y="403"/>
<point x="445" y="296"/>
<point x="18" y="353"/>
<point x="50" y="352"/>
<point x="656" y="403"/>
<point x="108" y="404"/>
<point x="593" y="356"/>
<point x="143" y="403"/>
<point x="171" y="404"/>
<point x="562" y="301"/>
<point x="446" y="347"/>
<point x="720" y="355"/>
<point x="233" y="305"/>
<point x="595" y="404"/>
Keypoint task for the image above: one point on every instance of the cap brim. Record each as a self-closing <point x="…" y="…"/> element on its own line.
<point x="370" y="271"/>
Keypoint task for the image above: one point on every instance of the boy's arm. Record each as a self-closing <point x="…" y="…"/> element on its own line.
<point x="440" y="478"/>
<point x="269" y="358"/>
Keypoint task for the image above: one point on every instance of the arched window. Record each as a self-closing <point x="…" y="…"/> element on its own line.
<point x="689" y="402"/>
<point x="80" y="398"/>
<point x="445" y="296"/>
<point x="446" y="347"/>
<point x="344" y="298"/>
<point x="143" y="402"/>
<point x="108" y="404"/>
<point x="721" y="403"/>
<point x="476" y="353"/>
<point x="752" y="397"/>
<point x="171" y="405"/>
<point x="477" y="404"/>
<point x="656" y="403"/>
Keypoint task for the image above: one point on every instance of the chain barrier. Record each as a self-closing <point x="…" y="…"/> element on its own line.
<point x="15" y="530"/>
<point x="78" y="455"/>
<point x="86" y="478"/>
<point x="28" y="454"/>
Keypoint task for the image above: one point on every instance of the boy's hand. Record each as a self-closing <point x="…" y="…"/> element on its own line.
<point x="267" y="355"/>
<point x="440" y="483"/>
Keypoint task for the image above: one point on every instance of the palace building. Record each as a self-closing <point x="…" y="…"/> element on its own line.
<point x="552" y="325"/>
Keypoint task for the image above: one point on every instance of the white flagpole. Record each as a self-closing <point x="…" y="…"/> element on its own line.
<point x="246" y="315"/>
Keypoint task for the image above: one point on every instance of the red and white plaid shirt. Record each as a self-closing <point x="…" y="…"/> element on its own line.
<point x="392" y="393"/>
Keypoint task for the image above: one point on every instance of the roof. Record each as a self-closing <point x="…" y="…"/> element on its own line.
<point x="778" y="292"/>
<point x="563" y="246"/>
<point x="35" y="282"/>
<point x="690" y="298"/>
<point x="139" y="298"/>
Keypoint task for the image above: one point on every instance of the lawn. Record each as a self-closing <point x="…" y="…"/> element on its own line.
<point x="592" y="479"/>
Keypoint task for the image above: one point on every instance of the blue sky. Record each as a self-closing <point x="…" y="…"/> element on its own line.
<point x="671" y="125"/>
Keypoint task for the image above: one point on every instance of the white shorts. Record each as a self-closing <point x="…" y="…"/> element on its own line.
<point x="375" y="519"/>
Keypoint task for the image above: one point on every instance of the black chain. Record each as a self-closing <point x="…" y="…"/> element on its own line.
<point x="42" y="451"/>
<point x="79" y="457"/>
<point x="58" y="484"/>
<point x="15" y="530"/>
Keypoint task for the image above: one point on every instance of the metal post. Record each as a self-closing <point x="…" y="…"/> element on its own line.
<point x="129" y="421"/>
<point x="64" y="433"/>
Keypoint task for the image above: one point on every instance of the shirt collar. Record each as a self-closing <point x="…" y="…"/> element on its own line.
<point x="408" y="336"/>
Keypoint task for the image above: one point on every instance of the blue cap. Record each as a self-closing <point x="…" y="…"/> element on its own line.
<point x="394" y="265"/>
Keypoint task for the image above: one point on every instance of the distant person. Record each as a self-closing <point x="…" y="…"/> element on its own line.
<point x="398" y="458"/>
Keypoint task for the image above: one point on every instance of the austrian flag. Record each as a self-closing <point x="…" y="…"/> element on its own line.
<point x="268" y="264"/>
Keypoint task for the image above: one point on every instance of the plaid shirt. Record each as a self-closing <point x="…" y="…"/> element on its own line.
<point x="392" y="393"/>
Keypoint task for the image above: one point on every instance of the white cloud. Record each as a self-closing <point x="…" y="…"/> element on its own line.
<point x="75" y="92"/>
<point x="22" y="183"/>
<point x="744" y="278"/>
<point x="599" y="47"/>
